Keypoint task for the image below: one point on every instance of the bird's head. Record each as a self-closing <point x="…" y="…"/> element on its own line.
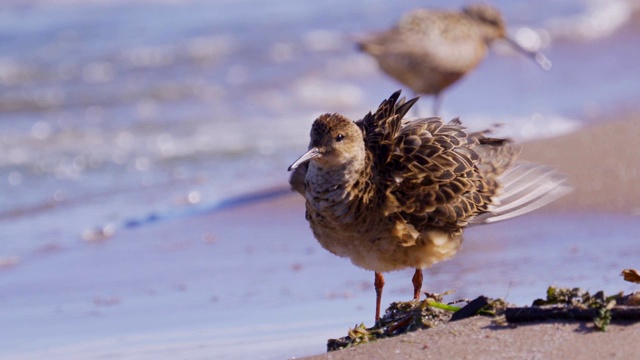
<point x="490" y="18"/>
<point x="335" y="142"/>
<point x="493" y="27"/>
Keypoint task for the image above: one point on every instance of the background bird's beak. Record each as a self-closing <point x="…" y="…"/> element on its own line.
<point x="311" y="154"/>
<point x="536" y="56"/>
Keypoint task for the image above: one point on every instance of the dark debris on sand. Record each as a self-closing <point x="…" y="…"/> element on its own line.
<point x="577" y="304"/>
<point x="560" y="304"/>
<point x="404" y="317"/>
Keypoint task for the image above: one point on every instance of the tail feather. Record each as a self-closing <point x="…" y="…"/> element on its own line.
<point x="525" y="187"/>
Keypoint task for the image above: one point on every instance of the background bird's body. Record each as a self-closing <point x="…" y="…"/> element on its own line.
<point x="391" y="195"/>
<point x="429" y="50"/>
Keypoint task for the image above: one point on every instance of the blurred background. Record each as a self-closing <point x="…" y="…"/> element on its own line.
<point x="132" y="133"/>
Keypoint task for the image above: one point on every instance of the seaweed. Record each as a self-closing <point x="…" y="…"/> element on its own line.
<point x="577" y="304"/>
<point x="560" y="303"/>
<point x="399" y="318"/>
<point x="631" y="275"/>
<point x="404" y="317"/>
<point x="581" y="299"/>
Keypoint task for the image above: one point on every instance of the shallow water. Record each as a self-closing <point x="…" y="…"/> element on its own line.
<point x="126" y="127"/>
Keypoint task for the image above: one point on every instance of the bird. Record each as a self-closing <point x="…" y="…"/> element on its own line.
<point x="391" y="193"/>
<point x="429" y="50"/>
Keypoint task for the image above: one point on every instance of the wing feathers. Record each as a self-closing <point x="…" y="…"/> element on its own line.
<point x="527" y="187"/>
<point x="434" y="174"/>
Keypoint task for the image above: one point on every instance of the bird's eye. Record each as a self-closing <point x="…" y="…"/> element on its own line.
<point x="339" y="137"/>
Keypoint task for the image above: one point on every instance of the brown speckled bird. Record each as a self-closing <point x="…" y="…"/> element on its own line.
<point x="392" y="194"/>
<point x="428" y="50"/>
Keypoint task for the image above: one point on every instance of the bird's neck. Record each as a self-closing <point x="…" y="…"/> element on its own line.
<point x="337" y="183"/>
<point x="490" y="33"/>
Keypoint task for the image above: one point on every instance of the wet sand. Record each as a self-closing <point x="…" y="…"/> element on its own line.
<point x="603" y="164"/>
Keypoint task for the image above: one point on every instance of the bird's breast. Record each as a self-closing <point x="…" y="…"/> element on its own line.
<point x="333" y="204"/>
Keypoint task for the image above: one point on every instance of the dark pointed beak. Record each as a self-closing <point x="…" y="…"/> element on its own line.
<point x="536" y="56"/>
<point x="311" y="154"/>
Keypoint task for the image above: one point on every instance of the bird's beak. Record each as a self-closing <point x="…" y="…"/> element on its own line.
<point x="311" y="154"/>
<point x="536" y="56"/>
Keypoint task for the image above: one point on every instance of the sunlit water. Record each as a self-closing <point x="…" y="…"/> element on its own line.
<point x="114" y="114"/>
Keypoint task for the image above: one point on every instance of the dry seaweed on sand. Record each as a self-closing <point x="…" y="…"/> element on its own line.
<point x="399" y="318"/>
<point x="577" y="304"/>
<point x="404" y="317"/>
<point x="560" y="303"/>
<point x="631" y="275"/>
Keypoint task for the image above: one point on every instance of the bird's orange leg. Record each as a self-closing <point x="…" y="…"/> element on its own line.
<point x="417" y="284"/>
<point x="379" y="284"/>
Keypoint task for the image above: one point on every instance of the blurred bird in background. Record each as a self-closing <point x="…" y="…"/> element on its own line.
<point x="429" y="50"/>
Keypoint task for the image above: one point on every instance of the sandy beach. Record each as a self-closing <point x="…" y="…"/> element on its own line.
<point x="603" y="165"/>
<point x="478" y="338"/>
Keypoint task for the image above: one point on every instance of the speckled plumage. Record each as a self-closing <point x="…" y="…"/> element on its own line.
<point x="392" y="194"/>
<point x="429" y="50"/>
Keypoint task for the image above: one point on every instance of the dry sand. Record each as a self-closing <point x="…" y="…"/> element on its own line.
<point x="477" y="338"/>
<point x="603" y="164"/>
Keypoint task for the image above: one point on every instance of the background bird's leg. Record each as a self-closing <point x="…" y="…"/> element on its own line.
<point x="379" y="284"/>
<point x="415" y="108"/>
<point x="437" y="102"/>
<point x="417" y="284"/>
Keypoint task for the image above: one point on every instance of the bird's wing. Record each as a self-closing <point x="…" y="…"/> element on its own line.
<point x="524" y="187"/>
<point x="436" y="176"/>
<point x="297" y="179"/>
<point x="381" y="128"/>
<point x="427" y="170"/>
